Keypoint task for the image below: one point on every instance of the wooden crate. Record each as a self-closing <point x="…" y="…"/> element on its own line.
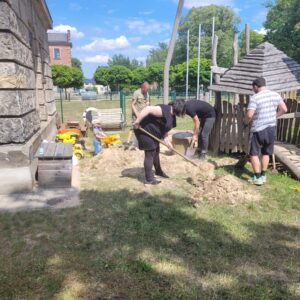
<point x="55" y="165"/>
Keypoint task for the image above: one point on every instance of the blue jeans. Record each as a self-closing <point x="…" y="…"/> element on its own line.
<point x="97" y="146"/>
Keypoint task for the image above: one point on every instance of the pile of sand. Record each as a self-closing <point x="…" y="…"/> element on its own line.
<point x="205" y="184"/>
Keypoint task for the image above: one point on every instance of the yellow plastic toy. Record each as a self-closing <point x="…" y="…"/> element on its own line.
<point x="78" y="151"/>
<point x="71" y="137"/>
<point x="113" y="139"/>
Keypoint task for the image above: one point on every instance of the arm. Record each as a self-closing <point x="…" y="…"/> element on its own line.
<point x="249" y="116"/>
<point x="282" y="109"/>
<point x="133" y="108"/>
<point x="148" y="110"/>
<point x="196" y="128"/>
<point x="167" y="141"/>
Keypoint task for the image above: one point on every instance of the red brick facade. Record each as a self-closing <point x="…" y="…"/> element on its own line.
<point x="65" y="55"/>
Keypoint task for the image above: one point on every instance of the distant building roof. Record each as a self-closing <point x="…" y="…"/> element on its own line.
<point x="281" y="72"/>
<point x="89" y="81"/>
<point x="59" y="38"/>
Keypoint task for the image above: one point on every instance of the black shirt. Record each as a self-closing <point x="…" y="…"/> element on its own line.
<point x="200" y="108"/>
<point x="157" y="126"/>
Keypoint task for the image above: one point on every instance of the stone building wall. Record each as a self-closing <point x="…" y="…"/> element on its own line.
<point x="27" y="105"/>
<point x="65" y="52"/>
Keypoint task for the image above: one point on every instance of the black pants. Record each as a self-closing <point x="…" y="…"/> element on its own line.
<point x="206" y="125"/>
<point x="152" y="159"/>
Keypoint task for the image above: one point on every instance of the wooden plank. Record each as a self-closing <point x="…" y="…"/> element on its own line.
<point x="216" y="145"/>
<point x="223" y="136"/>
<point x="50" y="151"/>
<point x="54" y="165"/>
<point x="56" y="178"/>
<point x="285" y="121"/>
<point x="291" y="121"/>
<point x="292" y="115"/>
<point x="296" y="133"/>
<point x="228" y="142"/>
<point x="234" y="146"/>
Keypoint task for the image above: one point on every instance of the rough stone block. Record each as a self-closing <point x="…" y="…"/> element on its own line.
<point x="13" y="49"/>
<point x="18" y="130"/>
<point x="43" y="114"/>
<point x="16" y="103"/>
<point x="51" y="108"/>
<point x="49" y="96"/>
<point x="40" y="96"/>
<point x="13" y="75"/>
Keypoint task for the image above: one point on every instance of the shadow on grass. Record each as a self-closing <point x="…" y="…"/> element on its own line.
<point x="124" y="245"/>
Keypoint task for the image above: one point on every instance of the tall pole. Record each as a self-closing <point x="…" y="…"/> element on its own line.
<point x="212" y="43"/>
<point x="171" y="50"/>
<point x="247" y="38"/>
<point x="198" y="69"/>
<point x="187" y="65"/>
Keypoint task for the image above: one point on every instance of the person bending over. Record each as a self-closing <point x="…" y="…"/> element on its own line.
<point x="204" y="116"/>
<point x="263" y="108"/>
<point x="157" y="120"/>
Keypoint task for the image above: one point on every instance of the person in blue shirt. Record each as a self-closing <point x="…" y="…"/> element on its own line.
<point x="98" y="134"/>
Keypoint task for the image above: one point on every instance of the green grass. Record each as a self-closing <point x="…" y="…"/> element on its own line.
<point x="122" y="244"/>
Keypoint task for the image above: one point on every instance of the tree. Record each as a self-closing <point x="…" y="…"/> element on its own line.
<point x="76" y="63"/>
<point x="66" y="77"/>
<point x="157" y="55"/>
<point x="139" y="75"/>
<point x="225" y="26"/>
<point x="100" y="75"/>
<point x="119" y="60"/>
<point x="118" y="77"/>
<point x="178" y="74"/>
<point x="255" y="39"/>
<point x="156" y="73"/>
<point x="283" y="26"/>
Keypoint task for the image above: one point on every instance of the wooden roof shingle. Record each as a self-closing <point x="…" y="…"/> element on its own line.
<point x="280" y="71"/>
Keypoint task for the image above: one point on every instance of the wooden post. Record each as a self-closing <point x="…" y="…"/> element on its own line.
<point x="214" y="58"/>
<point x="235" y="49"/>
<point x="171" y="50"/>
<point x="217" y="127"/>
<point x="247" y="38"/>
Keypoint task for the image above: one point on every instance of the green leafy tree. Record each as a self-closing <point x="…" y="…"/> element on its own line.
<point x="100" y="75"/>
<point x="283" y="26"/>
<point x="156" y="73"/>
<point x="118" y="77"/>
<point x="178" y="74"/>
<point x="255" y="39"/>
<point x="226" y="23"/>
<point x="139" y="75"/>
<point x="77" y="78"/>
<point x="119" y="60"/>
<point x="157" y="55"/>
<point x="134" y="63"/>
<point x="76" y="63"/>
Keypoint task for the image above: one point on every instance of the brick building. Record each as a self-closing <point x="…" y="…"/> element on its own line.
<point x="27" y="104"/>
<point x="60" y="48"/>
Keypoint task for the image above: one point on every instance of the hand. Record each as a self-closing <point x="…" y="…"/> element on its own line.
<point x="136" y="125"/>
<point x="195" y="138"/>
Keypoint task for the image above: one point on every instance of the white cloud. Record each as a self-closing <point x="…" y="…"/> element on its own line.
<point x="107" y="44"/>
<point x="262" y="31"/>
<point x="100" y="59"/>
<point x="64" y="28"/>
<point x="147" y="27"/>
<point x="135" y="39"/>
<point x="145" y="47"/>
<point x="197" y="3"/>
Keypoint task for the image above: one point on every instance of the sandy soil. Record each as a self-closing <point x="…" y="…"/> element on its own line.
<point x="125" y="169"/>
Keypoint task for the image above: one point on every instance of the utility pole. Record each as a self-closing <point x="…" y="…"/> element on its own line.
<point x="212" y="43"/>
<point x="171" y="50"/>
<point x="198" y="69"/>
<point x="187" y="65"/>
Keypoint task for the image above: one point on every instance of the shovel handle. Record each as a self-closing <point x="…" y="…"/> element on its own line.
<point x="163" y="143"/>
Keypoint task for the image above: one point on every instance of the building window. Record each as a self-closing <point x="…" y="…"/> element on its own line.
<point x="57" y="54"/>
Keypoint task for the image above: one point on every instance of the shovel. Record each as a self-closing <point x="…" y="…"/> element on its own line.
<point x="163" y="143"/>
<point x="190" y="151"/>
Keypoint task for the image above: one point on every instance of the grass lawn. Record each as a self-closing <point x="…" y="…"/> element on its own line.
<point x="126" y="243"/>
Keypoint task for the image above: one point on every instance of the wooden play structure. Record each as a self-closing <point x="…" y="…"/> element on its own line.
<point x="232" y="93"/>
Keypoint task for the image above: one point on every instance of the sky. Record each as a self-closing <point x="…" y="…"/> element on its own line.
<point x="102" y="28"/>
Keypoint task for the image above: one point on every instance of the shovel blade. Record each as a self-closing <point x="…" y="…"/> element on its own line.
<point x="190" y="152"/>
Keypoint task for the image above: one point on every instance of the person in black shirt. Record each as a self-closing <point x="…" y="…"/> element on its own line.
<point x="204" y="116"/>
<point x="157" y="120"/>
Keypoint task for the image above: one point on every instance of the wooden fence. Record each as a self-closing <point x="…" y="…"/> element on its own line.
<point x="229" y="135"/>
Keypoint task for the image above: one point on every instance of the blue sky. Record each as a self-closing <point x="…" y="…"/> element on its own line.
<point x="102" y="28"/>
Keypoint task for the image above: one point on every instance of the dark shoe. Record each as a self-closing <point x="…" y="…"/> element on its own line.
<point x="202" y="156"/>
<point x="162" y="174"/>
<point x="153" y="182"/>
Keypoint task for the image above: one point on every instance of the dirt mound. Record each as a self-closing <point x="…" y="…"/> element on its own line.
<point x="206" y="185"/>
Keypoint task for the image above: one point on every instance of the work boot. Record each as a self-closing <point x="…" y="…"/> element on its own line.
<point x="152" y="182"/>
<point x="161" y="174"/>
<point x="202" y="156"/>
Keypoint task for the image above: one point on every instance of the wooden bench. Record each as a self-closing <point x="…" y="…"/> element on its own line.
<point x="55" y="165"/>
<point x="112" y="118"/>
